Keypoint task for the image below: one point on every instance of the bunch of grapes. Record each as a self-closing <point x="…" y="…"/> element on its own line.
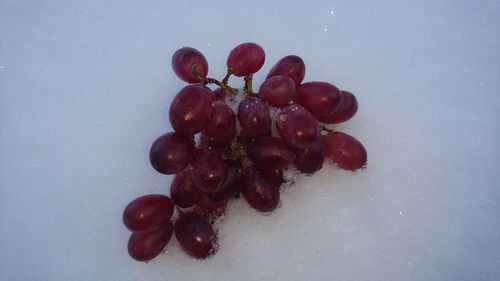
<point x="232" y="142"/>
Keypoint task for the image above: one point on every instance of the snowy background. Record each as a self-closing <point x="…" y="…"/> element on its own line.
<point x="85" y="88"/>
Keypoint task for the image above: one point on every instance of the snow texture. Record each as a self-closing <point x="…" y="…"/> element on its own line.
<point x="85" y="88"/>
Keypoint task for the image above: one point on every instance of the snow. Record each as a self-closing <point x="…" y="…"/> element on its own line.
<point x="85" y="88"/>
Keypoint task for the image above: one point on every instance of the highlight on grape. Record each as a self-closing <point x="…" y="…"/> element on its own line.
<point x="218" y="155"/>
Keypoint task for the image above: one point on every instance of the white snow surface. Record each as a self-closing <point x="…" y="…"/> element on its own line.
<point x="85" y="88"/>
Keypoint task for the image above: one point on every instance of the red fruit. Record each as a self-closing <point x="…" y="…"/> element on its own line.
<point x="171" y="153"/>
<point x="271" y="153"/>
<point x="182" y="190"/>
<point x="297" y="127"/>
<point x="185" y="61"/>
<point x="208" y="170"/>
<point x="195" y="235"/>
<point x="277" y="90"/>
<point x="290" y="66"/>
<point x="190" y="109"/>
<point x="345" y="151"/>
<point x="320" y="98"/>
<point x="260" y="193"/>
<point x="246" y="59"/>
<point x="148" y="212"/>
<point x="209" y="208"/>
<point x="145" y="246"/>
<point x="347" y="109"/>
<point x="221" y="127"/>
<point x="310" y="159"/>
<point x="254" y="118"/>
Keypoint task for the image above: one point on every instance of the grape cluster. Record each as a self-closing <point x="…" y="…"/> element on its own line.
<point x="218" y="155"/>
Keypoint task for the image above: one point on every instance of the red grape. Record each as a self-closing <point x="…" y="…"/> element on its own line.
<point x="291" y="66"/>
<point x="320" y="98"/>
<point x="296" y="126"/>
<point x="195" y="235"/>
<point x="209" y="208"/>
<point x="221" y="127"/>
<point x="231" y="184"/>
<point x="190" y="109"/>
<point x="274" y="176"/>
<point x="270" y="153"/>
<point x="148" y="212"/>
<point x="254" y="118"/>
<point x="207" y="170"/>
<point x="145" y="246"/>
<point x="310" y="159"/>
<point x="348" y="107"/>
<point x="171" y="153"/>
<point x="245" y="59"/>
<point x="277" y="90"/>
<point x="185" y="61"/>
<point x="203" y="143"/>
<point x="260" y="193"/>
<point x="345" y="151"/>
<point x="182" y="190"/>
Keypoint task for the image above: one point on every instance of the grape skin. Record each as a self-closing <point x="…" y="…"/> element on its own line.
<point x="145" y="246"/>
<point x="208" y="170"/>
<point x="277" y="90"/>
<point x="345" y="151"/>
<point x="171" y="153"/>
<point x="291" y="66"/>
<point x="296" y="126"/>
<point x="221" y="127"/>
<point x="182" y="190"/>
<point x="190" y="109"/>
<point x="246" y="59"/>
<point x="195" y="235"/>
<point x="148" y="212"/>
<point x="185" y="60"/>
<point x="320" y="98"/>
<point x="254" y="118"/>
<point x="271" y="153"/>
<point x="347" y="109"/>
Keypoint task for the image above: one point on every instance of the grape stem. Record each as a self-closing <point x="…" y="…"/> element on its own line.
<point x="325" y="129"/>
<point x="248" y="85"/>
<point x="206" y="80"/>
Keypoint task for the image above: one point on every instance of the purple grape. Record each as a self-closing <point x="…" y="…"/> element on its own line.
<point x="217" y="94"/>
<point x="254" y="118"/>
<point x="182" y="190"/>
<point x="195" y="235"/>
<point x="277" y="90"/>
<point x="148" y="212"/>
<point x="320" y="98"/>
<point x="310" y="159"/>
<point x="209" y="208"/>
<point x="207" y="171"/>
<point x="221" y="127"/>
<point x="185" y="61"/>
<point x="347" y="109"/>
<point x="345" y="151"/>
<point x="190" y="109"/>
<point x="145" y="246"/>
<point x="296" y="126"/>
<point x="171" y="153"/>
<point x="270" y="153"/>
<point x="260" y="193"/>
<point x="245" y="59"/>
<point x="291" y="66"/>
<point x="231" y="185"/>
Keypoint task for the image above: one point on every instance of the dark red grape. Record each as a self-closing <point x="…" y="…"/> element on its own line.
<point x="277" y="90"/>
<point x="148" y="212"/>
<point x="291" y="66"/>
<point x="347" y="109"/>
<point x="207" y="170"/>
<point x="254" y="118"/>
<point x="260" y="193"/>
<point x="345" y="151"/>
<point x="209" y="208"/>
<point x="320" y="98"/>
<point x="274" y="176"/>
<point x="195" y="235"/>
<point x="203" y="143"/>
<point x="270" y="153"/>
<point x="231" y="185"/>
<point x="185" y="61"/>
<point x="190" y="109"/>
<point x="297" y="127"/>
<point x="310" y="159"/>
<point x="221" y="127"/>
<point x="182" y="190"/>
<point x="245" y="59"/>
<point x="171" y="153"/>
<point x="145" y="246"/>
